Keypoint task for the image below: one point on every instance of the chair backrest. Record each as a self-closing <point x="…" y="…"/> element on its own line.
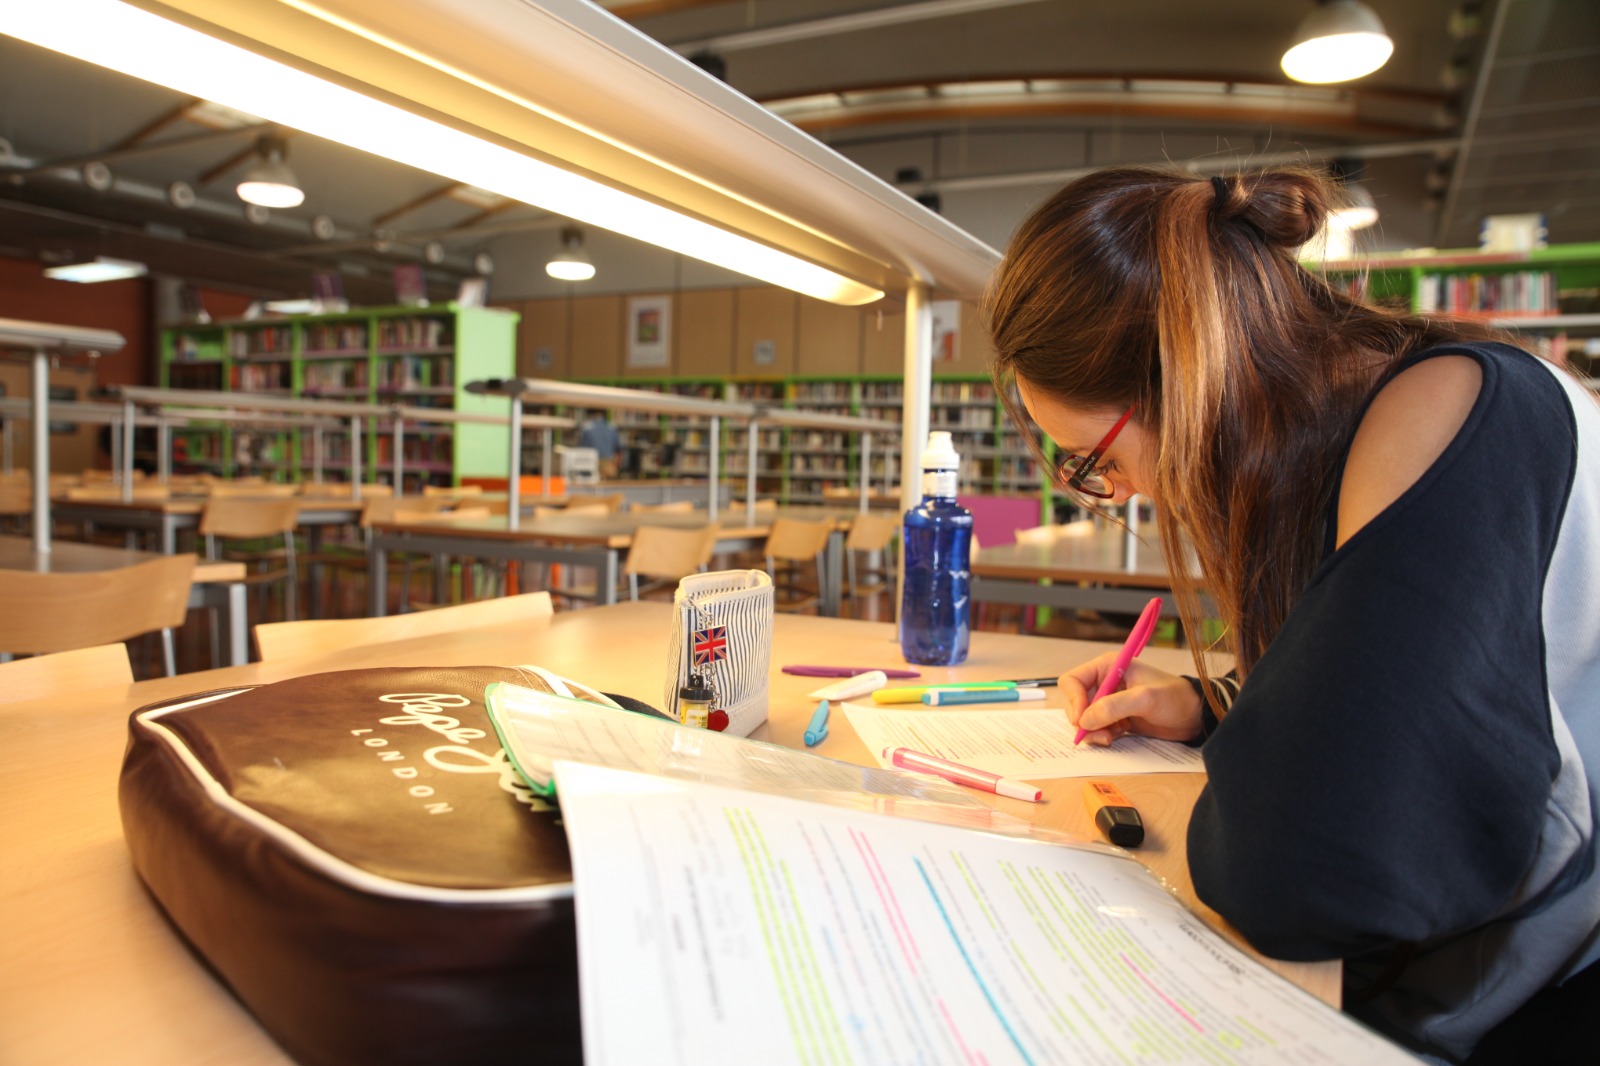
<point x="42" y="613"/>
<point x="284" y="640"/>
<point x="240" y="516"/>
<point x="669" y="552"/>
<point x="16" y="498"/>
<point x="671" y="507"/>
<point x="595" y="503"/>
<point x="871" y="532"/>
<point x="452" y="490"/>
<point x="85" y="668"/>
<point x="765" y="510"/>
<point x="797" y="539"/>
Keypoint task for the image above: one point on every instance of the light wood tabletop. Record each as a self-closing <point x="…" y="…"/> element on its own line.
<point x="92" y="971"/>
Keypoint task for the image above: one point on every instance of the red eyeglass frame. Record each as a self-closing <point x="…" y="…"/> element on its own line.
<point x="1086" y="464"/>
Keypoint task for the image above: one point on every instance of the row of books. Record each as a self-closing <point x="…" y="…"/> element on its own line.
<point x="1521" y="292"/>
<point x="415" y="372"/>
<point x="396" y="333"/>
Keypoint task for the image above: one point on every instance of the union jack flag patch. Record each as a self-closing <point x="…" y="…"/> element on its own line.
<point x="710" y="644"/>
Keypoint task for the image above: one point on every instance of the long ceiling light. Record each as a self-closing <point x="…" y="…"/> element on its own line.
<point x="124" y="38"/>
<point x="100" y="268"/>
<point x="1338" y="41"/>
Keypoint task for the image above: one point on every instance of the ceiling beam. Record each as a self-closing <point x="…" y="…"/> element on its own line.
<point x="157" y="124"/>
<point x="431" y="196"/>
<point x="834" y="25"/>
<point x="130" y="151"/>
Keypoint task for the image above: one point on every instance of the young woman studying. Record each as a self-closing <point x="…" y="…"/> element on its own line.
<point x="1398" y="519"/>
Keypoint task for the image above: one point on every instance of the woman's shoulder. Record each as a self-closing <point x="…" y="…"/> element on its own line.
<point x="1410" y="422"/>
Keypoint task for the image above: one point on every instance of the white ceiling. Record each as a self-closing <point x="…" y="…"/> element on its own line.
<point x="1501" y="118"/>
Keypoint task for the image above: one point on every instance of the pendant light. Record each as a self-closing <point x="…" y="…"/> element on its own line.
<point x="572" y="262"/>
<point x="269" y="182"/>
<point x="1338" y="41"/>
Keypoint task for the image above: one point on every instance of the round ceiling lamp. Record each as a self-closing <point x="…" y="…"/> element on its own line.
<point x="1340" y="40"/>
<point x="572" y="262"/>
<point x="270" y="182"/>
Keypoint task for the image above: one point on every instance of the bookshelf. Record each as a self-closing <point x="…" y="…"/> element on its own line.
<point x="418" y="356"/>
<point x="1551" y="296"/>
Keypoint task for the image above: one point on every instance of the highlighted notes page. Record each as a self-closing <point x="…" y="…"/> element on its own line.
<point x="1030" y="745"/>
<point x="722" y="926"/>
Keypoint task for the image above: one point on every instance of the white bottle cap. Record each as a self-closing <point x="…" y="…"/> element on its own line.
<point x="940" y="453"/>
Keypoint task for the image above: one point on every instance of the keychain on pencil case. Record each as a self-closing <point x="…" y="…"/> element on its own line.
<point x="722" y="632"/>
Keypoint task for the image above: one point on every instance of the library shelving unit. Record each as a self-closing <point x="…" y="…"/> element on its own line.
<point x="419" y="356"/>
<point x="1551" y="296"/>
<point x="801" y="464"/>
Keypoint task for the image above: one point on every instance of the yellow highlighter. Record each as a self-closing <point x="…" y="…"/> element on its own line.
<point x="914" y="693"/>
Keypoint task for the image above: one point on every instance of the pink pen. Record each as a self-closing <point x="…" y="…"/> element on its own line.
<point x="971" y="776"/>
<point x="1142" y="631"/>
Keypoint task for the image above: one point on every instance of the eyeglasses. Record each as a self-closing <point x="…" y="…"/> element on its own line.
<point x="1077" y="472"/>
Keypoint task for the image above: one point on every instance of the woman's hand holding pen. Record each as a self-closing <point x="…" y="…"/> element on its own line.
<point x="1151" y="703"/>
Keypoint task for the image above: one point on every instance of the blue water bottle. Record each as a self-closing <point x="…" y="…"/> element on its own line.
<point x="936" y="609"/>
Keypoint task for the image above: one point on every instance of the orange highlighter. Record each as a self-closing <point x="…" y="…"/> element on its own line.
<point x="1113" y="813"/>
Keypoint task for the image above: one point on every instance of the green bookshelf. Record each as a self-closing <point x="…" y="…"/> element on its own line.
<point x="422" y="357"/>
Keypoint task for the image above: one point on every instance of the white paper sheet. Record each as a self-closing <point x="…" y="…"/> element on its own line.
<point x="538" y="728"/>
<point x="1030" y="744"/>
<point x="721" y="926"/>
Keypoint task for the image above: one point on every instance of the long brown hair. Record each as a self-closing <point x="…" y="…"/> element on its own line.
<point x="1183" y="297"/>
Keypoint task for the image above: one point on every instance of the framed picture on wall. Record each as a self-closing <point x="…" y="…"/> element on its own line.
<point x="649" y="330"/>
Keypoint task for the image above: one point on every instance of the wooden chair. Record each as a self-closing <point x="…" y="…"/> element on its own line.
<point x="452" y="491"/>
<point x="285" y="640"/>
<point x="382" y="508"/>
<point x="85" y="668"/>
<point x="668" y="554"/>
<point x="45" y="613"/>
<point x="794" y="541"/>
<point x="16" y="504"/>
<point x="672" y="507"/>
<point x="607" y="504"/>
<point x="232" y="520"/>
<point x="869" y="533"/>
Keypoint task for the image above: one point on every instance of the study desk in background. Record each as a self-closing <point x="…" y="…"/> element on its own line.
<point x="93" y="973"/>
<point x="1083" y="568"/>
<point x="596" y="541"/>
<point x="177" y="514"/>
<point x="215" y="584"/>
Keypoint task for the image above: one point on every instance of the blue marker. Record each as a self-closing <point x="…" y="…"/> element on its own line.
<point x="817" y="731"/>
<point x="956" y="697"/>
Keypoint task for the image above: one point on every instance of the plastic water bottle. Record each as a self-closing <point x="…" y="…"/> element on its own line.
<point x="935" y="611"/>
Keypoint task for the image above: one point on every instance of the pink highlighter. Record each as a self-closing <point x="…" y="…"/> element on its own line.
<point x="1143" y="629"/>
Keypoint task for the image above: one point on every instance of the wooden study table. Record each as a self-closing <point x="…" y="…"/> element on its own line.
<point x="182" y="513"/>
<point x="1087" y="568"/>
<point x="215" y="584"/>
<point x="94" y="974"/>
<point x="596" y="541"/>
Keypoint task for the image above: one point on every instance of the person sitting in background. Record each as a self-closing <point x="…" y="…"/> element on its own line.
<point x="598" y="433"/>
<point x="1398" y="520"/>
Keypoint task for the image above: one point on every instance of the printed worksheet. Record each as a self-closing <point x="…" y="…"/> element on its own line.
<point x="723" y="926"/>
<point x="1030" y="744"/>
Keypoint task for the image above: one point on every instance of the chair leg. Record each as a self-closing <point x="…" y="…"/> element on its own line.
<point x="169" y="657"/>
<point x="633" y="586"/>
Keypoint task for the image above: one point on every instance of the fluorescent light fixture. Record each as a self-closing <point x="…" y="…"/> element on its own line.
<point x="143" y="45"/>
<point x="100" y="268"/>
<point x="1357" y="212"/>
<point x="293" y="307"/>
<point x="1340" y="40"/>
<point x="270" y="182"/>
<point x="572" y="262"/>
